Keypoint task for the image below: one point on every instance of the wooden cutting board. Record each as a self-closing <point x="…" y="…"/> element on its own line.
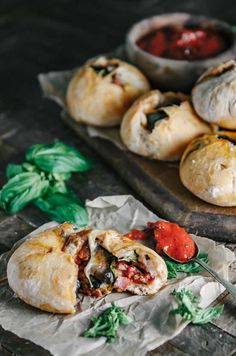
<point x="159" y="185"/>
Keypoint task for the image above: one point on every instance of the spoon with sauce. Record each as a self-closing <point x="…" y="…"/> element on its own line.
<point x="177" y="244"/>
<point x="229" y="286"/>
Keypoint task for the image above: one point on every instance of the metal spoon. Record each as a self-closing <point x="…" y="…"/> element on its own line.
<point x="229" y="286"/>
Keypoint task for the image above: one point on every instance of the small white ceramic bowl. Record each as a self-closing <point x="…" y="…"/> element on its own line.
<point x="172" y="74"/>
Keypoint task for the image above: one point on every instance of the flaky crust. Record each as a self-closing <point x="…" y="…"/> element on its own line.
<point x="208" y="168"/>
<point x="102" y="100"/>
<point x="43" y="275"/>
<point x="170" y="136"/>
<point x="214" y="94"/>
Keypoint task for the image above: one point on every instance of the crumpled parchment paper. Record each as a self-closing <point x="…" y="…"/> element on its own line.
<point x="152" y="325"/>
<point x="54" y="86"/>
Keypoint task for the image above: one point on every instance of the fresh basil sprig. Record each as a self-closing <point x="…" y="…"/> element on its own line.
<point x="42" y="180"/>
<point x="63" y="207"/>
<point x="190" y="267"/>
<point x="108" y="323"/>
<point x="21" y="190"/>
<point x="57" y="158"/>
<point x="189" y="310"/>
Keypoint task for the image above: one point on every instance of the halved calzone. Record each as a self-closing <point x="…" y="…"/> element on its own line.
<point x="48" y="270"/>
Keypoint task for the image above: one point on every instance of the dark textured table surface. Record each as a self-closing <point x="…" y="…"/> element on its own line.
<point x="39" y="36"/>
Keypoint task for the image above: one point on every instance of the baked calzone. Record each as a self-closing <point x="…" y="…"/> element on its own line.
<point x="214" y="95"/>
<point x="208" y="168"/>
<point x="48" y="270"/>
<point x="160" y="125"/>
<point x="103" y="89"/>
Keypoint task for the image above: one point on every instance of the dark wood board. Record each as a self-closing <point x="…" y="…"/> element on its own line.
<point x="158" y="183"/>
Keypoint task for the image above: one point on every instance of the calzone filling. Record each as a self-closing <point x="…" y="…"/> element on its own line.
<point x="99" y="272"/>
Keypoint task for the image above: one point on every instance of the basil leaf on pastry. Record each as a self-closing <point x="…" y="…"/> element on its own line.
<point x="208" y="168"/>
<point x="160" y="125"/>
<point x="102" y="90"/>
<point x="48" y="270"/>
<point x="214" y="94"/>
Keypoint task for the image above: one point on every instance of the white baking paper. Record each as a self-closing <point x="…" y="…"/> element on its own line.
<point x="152" y="324"/>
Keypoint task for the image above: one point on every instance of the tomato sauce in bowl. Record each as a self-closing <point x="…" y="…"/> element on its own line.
<point x="183" y="42"/>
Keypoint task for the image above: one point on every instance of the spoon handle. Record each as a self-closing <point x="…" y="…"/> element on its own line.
<point x="229" y="286"/>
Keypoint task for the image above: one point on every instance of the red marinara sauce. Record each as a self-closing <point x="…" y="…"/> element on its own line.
<point x="174" y="240"/>
<point x="184" y="42"/>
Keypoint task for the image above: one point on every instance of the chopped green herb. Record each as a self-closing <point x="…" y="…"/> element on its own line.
<point x="189" y="310"/>
<point x="190" y="267"/>
<point x="107" y="323"/>
<point x="153" y="117"/>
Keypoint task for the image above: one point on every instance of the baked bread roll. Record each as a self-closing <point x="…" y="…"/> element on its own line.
<point x="102" y="90"/>
<point x="160" y="126"/>
<point x="208" y="168"/>
<point x="49" y="269"/>
<point x="214" y="95"/>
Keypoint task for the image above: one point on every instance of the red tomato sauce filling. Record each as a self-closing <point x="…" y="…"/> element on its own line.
<point x="129" y="274"/>
<point x="184" y="43"/>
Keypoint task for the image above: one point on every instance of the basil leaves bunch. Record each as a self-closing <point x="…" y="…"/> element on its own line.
<point x="42" y="180"/>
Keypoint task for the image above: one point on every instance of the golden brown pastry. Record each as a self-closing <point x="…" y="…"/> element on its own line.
<point x="160" y="126"/>
<point x="49" y="269"/>
<point x="208" y="168"/>
<point x="102" y="90"/>
<point x="214" y="95"/>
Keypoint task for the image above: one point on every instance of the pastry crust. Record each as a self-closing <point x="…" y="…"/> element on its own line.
<point x="100" y="97"/>
<point x="214" y="94"/>
<point x="208" y="168"/>
<point x="170" y="135"/>
<point x="43" y="272"/>
<point x="43" y="275"/>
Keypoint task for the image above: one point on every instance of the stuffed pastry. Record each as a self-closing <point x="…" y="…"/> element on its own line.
<point x="48" y="270"/>
<point x="102" y="90"/>
<point x="160" y="126"/>
<point x="208" y="168"/>
<point x="214" y="94"/>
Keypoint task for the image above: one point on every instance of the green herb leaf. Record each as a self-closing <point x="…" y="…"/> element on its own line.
<point x="189" y="310"/>
<point x="63" y="207"/>
<point x="190" y="267"/>
<point x="21" y="190"/>
<point x="57" y="158"/>
<point x="203" y="316"/>
<point x="153" y="117"/>
<point x="108" y="323"/>
<point x="13" y="170"/>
